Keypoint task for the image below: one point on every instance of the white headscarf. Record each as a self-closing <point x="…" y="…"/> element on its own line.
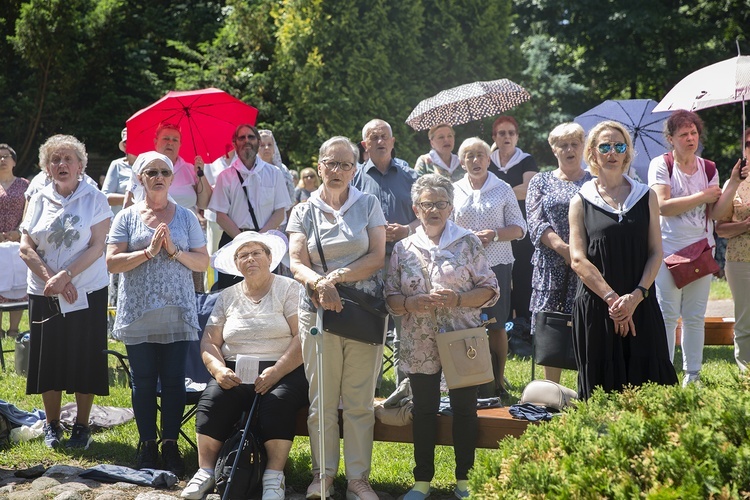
<point x="276" y="153"/>
<point x="143" y="160"/>
<point x="455" y="162"/>
<point x="591" y="194"/>
<point x="452" y="232"/>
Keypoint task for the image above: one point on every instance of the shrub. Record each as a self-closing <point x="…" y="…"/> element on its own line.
<point x="653" y="441"/>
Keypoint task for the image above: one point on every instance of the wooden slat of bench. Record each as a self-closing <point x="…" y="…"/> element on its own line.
<point x="494" y="424"/>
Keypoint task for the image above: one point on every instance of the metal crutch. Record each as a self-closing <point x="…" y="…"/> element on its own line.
<point x="317" y="332"/>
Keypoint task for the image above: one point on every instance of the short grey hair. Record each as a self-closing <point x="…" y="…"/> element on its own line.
<point x="568" y="130"/>
<point x="471" y="142"/>
<point x="375" y="123"/>
<point x="431" y="182"/>
<point x="61" y="141"/>
<point x="339" y="139"/>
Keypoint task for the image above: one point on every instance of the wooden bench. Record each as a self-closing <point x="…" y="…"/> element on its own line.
<point x="719" y="331"/>
<point x="494" y="424"/>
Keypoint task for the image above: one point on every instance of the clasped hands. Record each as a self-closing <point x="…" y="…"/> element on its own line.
<point x="427" y="301"/>
<point x="621" y="311"/>
<point x="162" y="239"/>
<point x="61" y="284"/>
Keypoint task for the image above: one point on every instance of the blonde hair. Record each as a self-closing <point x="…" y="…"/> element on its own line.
<point x="61" y="141"/>
<point x="305" y="171"/>
<point x="593" y="139"/>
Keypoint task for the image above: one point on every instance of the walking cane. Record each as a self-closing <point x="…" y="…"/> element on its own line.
<point x="317" y="332"/>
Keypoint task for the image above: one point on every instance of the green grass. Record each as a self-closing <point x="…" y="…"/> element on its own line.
<point x="719" y="290"/>
<point x="392" y="463"/>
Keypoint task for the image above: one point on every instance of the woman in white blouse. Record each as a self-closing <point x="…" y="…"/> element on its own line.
<point x="63" y="237"/>
<point x="487" y="205"/>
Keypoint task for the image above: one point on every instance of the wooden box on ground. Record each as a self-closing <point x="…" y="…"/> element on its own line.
<point x="494" y="424"/>
<point x="719" y="331"/>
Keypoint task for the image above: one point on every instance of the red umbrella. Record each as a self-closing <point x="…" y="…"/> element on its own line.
<point x="207" y="119"/>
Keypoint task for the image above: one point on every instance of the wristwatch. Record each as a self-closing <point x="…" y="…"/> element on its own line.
<point x="497" y="236"/>
<point x="643" y="290"/>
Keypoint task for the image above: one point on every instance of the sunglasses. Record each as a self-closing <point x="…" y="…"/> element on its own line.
<point x="308" y="177"/>
<point x="153" y="173"/>
<point x="606" y="148"/>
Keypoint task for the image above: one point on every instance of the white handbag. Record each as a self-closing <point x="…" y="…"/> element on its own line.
<point x="548" y="394"/>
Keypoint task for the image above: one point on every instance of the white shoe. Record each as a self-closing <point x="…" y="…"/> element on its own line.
<point x="692" y="378"/>
<point x="360" y="489"/>
<point x="200" y="484"/>
<point x="273" y="486"/>
<point x="313" y="491"/>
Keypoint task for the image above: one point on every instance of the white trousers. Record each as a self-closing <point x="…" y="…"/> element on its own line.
<point x="350" y="370"/>
<point x="690" y="303"/>
<point x="738" y="277"/>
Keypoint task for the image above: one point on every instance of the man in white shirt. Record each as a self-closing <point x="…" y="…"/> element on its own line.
<point x="249" y="195"/>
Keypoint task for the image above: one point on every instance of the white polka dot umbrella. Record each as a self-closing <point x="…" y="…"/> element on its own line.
<point x="467" y="103"/>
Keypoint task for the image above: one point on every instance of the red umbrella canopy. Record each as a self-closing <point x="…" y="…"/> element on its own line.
<point x="206" y="118"/>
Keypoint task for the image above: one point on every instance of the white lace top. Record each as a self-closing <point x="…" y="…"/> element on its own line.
<point x="261" y="329"/>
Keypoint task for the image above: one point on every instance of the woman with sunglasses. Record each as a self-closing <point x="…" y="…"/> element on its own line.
<point x="515" y="167"/>
<point x="687" y="194"/>
<point x="615" y="249"/>
<point x="735" y="227"/>
<point x="156" y="245"/>
<point x="308" y="182"/>
<point x="62" y="243"/>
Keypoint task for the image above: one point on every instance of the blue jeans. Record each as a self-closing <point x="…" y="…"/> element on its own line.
<point x="150" y="364"/>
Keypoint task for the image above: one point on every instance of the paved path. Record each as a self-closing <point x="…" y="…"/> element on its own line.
<point x="720" y="308"/>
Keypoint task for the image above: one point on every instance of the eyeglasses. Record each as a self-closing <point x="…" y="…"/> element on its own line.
<point x="429" y="205"/>
<point x="503" y="133"/>
<point x="472" y="156"/>
<point x="341" y="165"/>
<point x="153" y="173"/>
<point x="255" y="254"/>
<point x="606" y="148"/>
<point x="5" y="157"/>
<point x="56" y="161"/>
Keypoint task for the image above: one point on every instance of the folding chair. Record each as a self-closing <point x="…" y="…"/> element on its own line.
<point x="194" y="367"/>
<point x="8" y="307"/>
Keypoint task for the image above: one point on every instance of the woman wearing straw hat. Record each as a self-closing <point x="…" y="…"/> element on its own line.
<point x="257" y="317"/>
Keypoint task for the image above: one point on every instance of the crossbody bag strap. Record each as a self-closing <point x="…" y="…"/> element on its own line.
<point x="247" y="197"/>
<point x="317" y="240"/>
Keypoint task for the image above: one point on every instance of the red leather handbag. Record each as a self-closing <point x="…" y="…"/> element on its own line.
<point x="692" y="262"/>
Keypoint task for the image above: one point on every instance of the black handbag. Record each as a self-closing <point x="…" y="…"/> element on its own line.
<point x="363" y="318"/>
<point x="553" y="338"/>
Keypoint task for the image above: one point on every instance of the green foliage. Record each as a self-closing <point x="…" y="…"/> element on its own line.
<point x="653" y="441"/>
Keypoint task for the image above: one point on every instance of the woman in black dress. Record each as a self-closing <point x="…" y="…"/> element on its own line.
<point x="615" y="246"/>
<point x="515" y="167"/>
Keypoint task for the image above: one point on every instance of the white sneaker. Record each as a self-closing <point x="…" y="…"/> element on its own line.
<point x="692" y="378"/>
<point x="360" y="489"/>
<point x="313" y="491"/>
<point x="200" y="484"/>
<point x="273" y="486"/>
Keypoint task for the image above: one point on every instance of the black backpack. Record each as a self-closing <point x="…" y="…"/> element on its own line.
<point x="245" y="479"/>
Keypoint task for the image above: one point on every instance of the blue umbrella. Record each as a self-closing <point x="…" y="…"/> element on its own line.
<point x="646" y="128"/>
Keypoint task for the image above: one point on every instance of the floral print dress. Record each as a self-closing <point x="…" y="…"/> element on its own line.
<point x="547" y="206"/>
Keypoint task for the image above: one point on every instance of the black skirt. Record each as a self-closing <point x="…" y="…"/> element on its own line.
<point x="67" y="352"/>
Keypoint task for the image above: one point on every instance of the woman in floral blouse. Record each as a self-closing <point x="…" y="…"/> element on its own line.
<point x="547" y="203"/>
<point x="735" y="226"/>
<point x="462" y="283"/>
